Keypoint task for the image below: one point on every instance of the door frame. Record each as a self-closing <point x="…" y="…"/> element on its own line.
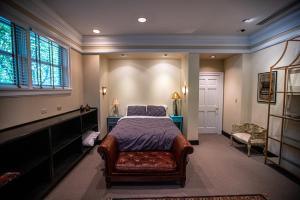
<point x="221" y="96"/>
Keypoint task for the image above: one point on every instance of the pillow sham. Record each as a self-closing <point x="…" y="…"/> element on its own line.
<point x="136" y="111"/>
<point x="156" y="110"/>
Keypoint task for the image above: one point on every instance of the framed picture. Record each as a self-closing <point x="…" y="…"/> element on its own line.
<point x="263" y="86"/>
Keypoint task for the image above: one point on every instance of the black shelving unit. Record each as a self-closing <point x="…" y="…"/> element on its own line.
<point x="42" y="152"/>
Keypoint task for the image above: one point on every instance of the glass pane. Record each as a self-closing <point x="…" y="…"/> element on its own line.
<point x="45" y="50"/>
<point x="35" y="73"/>
<point x="33" y="45"/>
<point x="56" y="55"/>
<point x="5" y="37"/>
<point x="22" y="64"/>
<point x="6" y="70"/>
<point x="57" y="76"/>
<point x="45" y="75"/>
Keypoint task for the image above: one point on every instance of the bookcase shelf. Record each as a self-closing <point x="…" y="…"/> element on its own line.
<point x="283" y="137"/>
<point x="43" y="152"/>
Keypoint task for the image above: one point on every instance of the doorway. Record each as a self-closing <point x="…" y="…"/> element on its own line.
<point x="210" y="109"/>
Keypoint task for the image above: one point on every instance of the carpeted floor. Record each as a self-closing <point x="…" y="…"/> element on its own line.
<point x="215" y="168"/>
<point x="228" y="197"/>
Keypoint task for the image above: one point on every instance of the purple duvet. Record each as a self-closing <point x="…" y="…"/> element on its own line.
<point x="153" y="133"/>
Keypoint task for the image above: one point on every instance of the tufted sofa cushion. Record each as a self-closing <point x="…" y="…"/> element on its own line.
<point x="150" y="161"/>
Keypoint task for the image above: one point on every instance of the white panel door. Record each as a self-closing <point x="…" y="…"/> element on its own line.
<point x="210" y="103"/>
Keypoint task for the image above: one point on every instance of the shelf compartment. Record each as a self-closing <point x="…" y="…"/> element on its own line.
<point x="30" y="186"/>
<point x="286" y="117"/>
<point x="25" y="154"/>
<point x="65" y="133"/>
<point x="65" y="159"/>
<point x="89" y="120"/>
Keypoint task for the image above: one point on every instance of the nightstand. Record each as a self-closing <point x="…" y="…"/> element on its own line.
<point x="178" y="121"/>
<point x="112" y="122"/>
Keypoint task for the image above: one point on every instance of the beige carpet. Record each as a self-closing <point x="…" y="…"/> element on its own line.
<point x="228" y="197"/>
<point x="215" y="168"/>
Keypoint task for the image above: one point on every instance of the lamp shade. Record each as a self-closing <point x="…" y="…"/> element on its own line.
<point x="115" y="102"/>
<point x="175" y="95"/>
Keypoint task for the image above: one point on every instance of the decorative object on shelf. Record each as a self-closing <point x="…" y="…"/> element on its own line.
<point x="263" y="87"/>
<point x="87" y="107"/>
<point x="104" y="90"/>
<point x="84" y="108"/>
<point x="185" y="90"/>
<point x="115" y="107"/>
<point x="8" y="177"/>
<point x="176" y="97"/>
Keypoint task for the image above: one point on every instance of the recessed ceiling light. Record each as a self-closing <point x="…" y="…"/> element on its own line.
<point x="248" y="20"/>
<point x="212" y="56"/>
<point x="97" y="31"/>
<point x="142" y="19"/>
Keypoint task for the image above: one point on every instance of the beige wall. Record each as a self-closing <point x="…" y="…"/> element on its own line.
<point x="143" y="81"/>
<point x="18" y="110"/>
<point x="211" y="65"/>
<point x="232" y="92"/>
<point x="104" y="104"/>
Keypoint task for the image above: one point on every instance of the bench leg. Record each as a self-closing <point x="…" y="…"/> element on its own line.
<point x="249" y="149"/>
<point x="182" y="182"/>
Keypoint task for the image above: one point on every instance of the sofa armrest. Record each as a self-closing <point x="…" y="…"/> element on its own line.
<point x="108" y="150"/>
<point x="258" y="133"/>
<point x="181" y="148"/>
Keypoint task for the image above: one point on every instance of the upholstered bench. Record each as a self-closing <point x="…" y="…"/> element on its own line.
<point x="249" y="134"/>
<point x="144" y="166"/>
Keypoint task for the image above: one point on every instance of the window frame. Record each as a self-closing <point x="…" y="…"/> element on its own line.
<point x="28" y="90"/>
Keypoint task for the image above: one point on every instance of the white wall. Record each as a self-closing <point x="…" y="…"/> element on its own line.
<point x="22" y="109"/>
<point x="143" y="81"/>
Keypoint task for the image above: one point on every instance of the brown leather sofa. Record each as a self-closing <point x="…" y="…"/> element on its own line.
<point x="145" y="166"/>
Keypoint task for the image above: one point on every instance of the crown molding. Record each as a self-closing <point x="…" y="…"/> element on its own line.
<point x="36" y="15"/>
<point x="40" y="16"/>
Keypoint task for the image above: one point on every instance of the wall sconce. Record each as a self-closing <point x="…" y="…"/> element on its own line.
<point x="104" y="90"/>
<point x="185" y="90"/>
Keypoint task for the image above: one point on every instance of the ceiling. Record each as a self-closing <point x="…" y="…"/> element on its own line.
<point x="193" y="17"/>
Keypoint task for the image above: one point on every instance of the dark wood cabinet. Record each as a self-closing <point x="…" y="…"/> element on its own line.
<point x="112" y="122"/>
<point x="42" y="152"/>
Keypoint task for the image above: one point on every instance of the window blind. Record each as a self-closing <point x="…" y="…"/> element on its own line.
<point x="13" y="54"/>
<point x="49" y="63"/>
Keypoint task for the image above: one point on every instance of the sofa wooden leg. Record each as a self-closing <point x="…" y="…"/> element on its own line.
<point x="231" y="140"/>
<point x="249" y="149"/>
<point x="182" y="182"/>
<point x="108" y="183"/>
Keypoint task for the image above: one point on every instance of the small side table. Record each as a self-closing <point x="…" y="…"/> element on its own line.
<point x="112" y="122"/>
<point x="178" y="121"/>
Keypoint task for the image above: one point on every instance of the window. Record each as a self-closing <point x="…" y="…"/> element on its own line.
<point x="49" y="63"/>
<point x="30" y="61"/>
<point x="13" y="55"/>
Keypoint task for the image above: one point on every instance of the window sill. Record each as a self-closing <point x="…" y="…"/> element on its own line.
<point x="33" y="92"/>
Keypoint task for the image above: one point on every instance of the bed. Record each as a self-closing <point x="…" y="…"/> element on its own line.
<point x="144" y="146"/>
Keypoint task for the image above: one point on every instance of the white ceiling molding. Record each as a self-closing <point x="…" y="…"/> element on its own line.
<point x="43" y="18"/>
<point x="37" y="16"/>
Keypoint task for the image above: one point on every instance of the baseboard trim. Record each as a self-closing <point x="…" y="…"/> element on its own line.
<point x="194" y="142"/>
<point x="225" y="134"/>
